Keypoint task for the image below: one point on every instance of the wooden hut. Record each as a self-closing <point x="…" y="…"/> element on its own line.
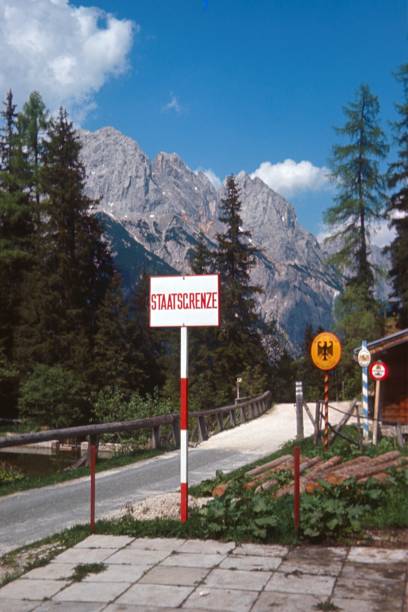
<point x="393" y="350"/>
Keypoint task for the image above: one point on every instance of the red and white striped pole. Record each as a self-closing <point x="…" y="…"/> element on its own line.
<point x="183" y="424"/>
<point x="326" y="412"/>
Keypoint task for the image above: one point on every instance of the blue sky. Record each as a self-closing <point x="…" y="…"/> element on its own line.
<point x="227" y="84"/>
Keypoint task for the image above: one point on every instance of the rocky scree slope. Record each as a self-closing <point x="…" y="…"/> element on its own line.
<point x="153" y="211"/>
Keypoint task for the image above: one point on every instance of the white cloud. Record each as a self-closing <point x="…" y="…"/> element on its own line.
<point x="381" y="234"/>
<point x="290" y="177"/>
<point x="213" y="178"/>
<point x="172" y="105"/>
<point x="65" y="52"/>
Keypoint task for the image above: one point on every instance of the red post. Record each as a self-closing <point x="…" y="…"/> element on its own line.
<point x="326" y="412"/>
<point x="296" y="491"/>
<point x="92" y="464"/>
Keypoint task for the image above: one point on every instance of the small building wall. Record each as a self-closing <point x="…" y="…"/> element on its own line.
<point x="394" y="390"/>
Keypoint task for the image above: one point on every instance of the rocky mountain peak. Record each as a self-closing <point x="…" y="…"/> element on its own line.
<point x="157" y="209"/>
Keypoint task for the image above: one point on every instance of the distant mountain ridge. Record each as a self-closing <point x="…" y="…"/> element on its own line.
<point x="153" y="211"/>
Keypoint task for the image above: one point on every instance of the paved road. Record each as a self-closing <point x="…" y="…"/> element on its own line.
<point x="31" y="515"/>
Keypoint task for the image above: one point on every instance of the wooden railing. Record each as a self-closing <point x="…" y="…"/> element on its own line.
<point x="207" y="420"/>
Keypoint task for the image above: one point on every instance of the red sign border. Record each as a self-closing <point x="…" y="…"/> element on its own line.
<point x="386" y="372"/>
<point x="183" y="275"/>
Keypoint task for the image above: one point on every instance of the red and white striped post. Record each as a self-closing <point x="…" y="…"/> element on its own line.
<point x="326" y="412"/>
<point x="184" y="301"/>
<point x="183" y="424"/>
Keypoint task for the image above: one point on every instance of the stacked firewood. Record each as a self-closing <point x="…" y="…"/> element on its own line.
<point x="314" y="470"/>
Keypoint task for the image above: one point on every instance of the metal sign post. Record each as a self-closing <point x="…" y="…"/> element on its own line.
<point x="184" y="301"/>
<point x="325" y="352"/>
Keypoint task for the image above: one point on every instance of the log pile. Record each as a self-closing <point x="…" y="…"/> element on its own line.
<point x="314" y="470"/>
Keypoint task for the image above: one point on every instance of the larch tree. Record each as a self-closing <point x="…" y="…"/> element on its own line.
<point x="360" y="187"/>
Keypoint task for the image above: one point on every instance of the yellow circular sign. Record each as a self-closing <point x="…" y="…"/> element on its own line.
<point x="325" y="351"/>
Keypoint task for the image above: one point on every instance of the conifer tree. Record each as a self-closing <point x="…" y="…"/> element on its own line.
<point x="398" y="204"/>
<point x="73" y="267"/>
<point x="147" y="342"/>
<point x="239" y="344"/>
<point x="202" y="260"/>
<point x="117" y="355"/>
<point x="32" y="125"/>
<point x="15" y="235"/>
<point x="77" y="256"/>
<point x="360" y="186"/>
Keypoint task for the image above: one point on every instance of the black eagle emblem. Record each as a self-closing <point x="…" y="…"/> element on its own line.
<point x="325" y="350"/>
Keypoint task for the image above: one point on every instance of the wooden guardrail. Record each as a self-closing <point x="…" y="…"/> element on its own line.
<point x="236" y="414"/>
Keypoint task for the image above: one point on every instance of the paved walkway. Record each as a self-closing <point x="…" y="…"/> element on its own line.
<point x="155" y="575"/>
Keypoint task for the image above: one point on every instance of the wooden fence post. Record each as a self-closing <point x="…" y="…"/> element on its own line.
<point x="156" y="436"/>
<point x="176" y="431"/>
<point x="202" y="428"/>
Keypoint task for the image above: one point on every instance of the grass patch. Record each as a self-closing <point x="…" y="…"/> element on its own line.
<point x="83" y="570"/>
<point x="326" y="605"/>
<point x="31" y="482"/>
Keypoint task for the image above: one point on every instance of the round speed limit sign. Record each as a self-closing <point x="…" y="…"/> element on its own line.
<point x="379" y="370"/>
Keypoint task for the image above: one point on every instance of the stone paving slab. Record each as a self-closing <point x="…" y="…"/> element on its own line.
<point x="130" y="608"/>
<point x="377" y="555"/>
<point x="271" y="550"/>
<point x="193" y="560"/>
<point x="103" y="592"/>
<point x="351" y="588"/>
<point x="231" y="600"/>
<point x="155" y="594"/>
<point x="14" y="605"/>
<point x="311" y="567"/>
<point x="318" y="553"/>
<point x="361" y="605"/>
<point x="169" y="544"/>
<point x="207" y="547"/>
<point x="178" y="576"/>
<point x="69" y="606"/>
<point x="52" y="571"/>
<point x="30" y="589"/>
<point x="136" y="556"/>
<point x="236" y="579"/>
<point x="251" y="563"/>
<point x="301" y="583"/>
<point x="118" y="573"/>
<point x="286" y="602"/>
<point x="104" y="541"/>
<point x="84" y="555"/>
<point x="377" y="571"/>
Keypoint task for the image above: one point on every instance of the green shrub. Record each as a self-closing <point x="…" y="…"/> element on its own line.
<point x="9" y="473"/>
<point x="239" y="514"/>
<point x="340" y="510"/>
<point x="114" y="405"/>
<point x="53" y="396"/>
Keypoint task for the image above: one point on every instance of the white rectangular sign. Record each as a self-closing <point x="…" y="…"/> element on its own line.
<point x="191" y="301"/>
